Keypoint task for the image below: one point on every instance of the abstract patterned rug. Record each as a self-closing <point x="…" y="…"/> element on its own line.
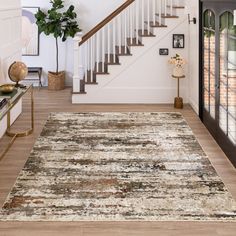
<point x="118" y="166"/>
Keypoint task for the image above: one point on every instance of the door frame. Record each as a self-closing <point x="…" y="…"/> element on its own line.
<point x="211" y="124"/>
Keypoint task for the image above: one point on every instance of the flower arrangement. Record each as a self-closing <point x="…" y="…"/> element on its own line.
<point x="178" y="61"/>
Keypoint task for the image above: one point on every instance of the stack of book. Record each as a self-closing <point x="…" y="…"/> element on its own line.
<point x="3" y="102"/>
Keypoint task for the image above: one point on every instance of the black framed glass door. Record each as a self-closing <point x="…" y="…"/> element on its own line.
<point x="218" y="73"/>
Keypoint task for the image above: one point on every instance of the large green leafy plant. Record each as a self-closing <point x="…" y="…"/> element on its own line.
<point x="59" y="22"/>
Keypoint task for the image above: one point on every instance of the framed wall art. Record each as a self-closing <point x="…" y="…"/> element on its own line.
<point x="30" y="32"/>
<point x="164" y="51"/>
<point x="178" y="41"/>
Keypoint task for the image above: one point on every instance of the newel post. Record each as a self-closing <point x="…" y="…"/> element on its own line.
<point x="76" y="74"/>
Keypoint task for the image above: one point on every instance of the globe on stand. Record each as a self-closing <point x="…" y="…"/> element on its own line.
<point x="17" y="72"/>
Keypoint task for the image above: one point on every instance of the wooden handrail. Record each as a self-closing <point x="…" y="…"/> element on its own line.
<point x="105" y="21"/>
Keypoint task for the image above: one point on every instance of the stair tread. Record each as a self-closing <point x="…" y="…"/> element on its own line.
<point x="157" y="24"/>
<point x="79" y="93"/>
<point x="176" y="7"/>
<point x="123" y="51"/>
<point x="133" y="42"/>
<point x="113" y="63"/>
<point x="167" y="16"/>
<point x="101" y="73"/>
<point x="102" y="68"/>
<point x="91" y="83"/>
<point x="113" y="60"/>
<point x="145" y="33"/>
<point x="91" y="77"/>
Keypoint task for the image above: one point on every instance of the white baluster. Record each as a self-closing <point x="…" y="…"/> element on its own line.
<point x="97" y="50"/>
<point x="153" y="11"/>
<point x="125" y="31"/>
<point x="103" y="49"/>
<point x="91" y="59"/>
<point x="76" y="75"/>
<point x="86" y="60"/>
<point x="119" y="33"/>
<point x="171" y="7"/>
<point x="114" y="39"/>
<point x="148" y="16"/>
<point x="143" y="17"/>
<point x="165" y="7"/>
<point x="160" y="11"/>
<point x="137" y="20"/>
<point x="131" y="22"/>
<point x="108" y="42"/>
<point x="88" y="57"/>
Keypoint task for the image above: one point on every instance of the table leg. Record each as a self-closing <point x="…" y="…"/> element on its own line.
<point x="40" y="78"/>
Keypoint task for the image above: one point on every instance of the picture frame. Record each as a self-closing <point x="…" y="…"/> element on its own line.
<point x="164" y="51"/>
<point x="30" y="32"/>
<point x="178" y="41"/>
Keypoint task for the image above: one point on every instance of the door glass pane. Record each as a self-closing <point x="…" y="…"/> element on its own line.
<point x="212" y="72"/>
<point x="223" y="71"/>
<point x="227" y="111"/>
<point x="206" y="60"/>
<point x="232" y="79"/>
<point x="209" y="62"/>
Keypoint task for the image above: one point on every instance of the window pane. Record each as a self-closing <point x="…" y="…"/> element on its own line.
<point x="223" y="119"/>
<point x="232" y="80"/>
<point x="209" y="62"/>
<point x="212" y="73"/>
<point x="228" y="76"/>
<point x="232" y="129"/>
<point x="223" y="72"/>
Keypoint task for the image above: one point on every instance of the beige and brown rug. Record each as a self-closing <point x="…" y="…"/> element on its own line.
<point x="115" y="167"/>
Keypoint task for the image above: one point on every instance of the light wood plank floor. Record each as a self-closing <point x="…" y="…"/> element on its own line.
<point x="46" y="102"/>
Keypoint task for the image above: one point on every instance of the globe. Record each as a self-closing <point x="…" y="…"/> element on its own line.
<point x="17" y="72"/>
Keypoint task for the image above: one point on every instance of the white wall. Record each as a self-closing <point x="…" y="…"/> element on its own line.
<point x="10" y="40"/>
<point x="90" y="13"/>
<point x="193" y="6"/>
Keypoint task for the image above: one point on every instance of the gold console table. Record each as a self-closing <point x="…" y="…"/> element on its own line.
<point x="7" y="112"/>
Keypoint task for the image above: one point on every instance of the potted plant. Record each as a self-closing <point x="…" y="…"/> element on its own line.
<point x="60" y="23"/>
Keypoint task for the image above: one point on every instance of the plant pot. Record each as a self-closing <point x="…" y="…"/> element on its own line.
<point x="56" y="81"/>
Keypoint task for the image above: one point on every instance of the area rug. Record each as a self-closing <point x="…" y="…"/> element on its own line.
<point x="118" y="167"/>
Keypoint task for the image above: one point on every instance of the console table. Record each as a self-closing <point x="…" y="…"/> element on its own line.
<point x="6" y="111"/>
<point x="36" y="70"/>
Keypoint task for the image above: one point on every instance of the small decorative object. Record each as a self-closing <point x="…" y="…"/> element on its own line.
<point x="7" y="88"/>
<point x="178" y="73"/>
<point x="17" y="72"/>
<point x="164" y="51"/>
<point x="61" y="24"/>
<point x="30" y="32"/>
<point x="178" y="41"/>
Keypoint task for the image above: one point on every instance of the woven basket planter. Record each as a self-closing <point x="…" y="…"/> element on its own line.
<point x="56" y="81"/>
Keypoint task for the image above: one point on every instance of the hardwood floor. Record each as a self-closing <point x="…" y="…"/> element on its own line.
<point x="46" y="102"/>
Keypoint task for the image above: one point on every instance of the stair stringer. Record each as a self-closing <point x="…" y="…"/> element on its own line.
<point x="126" y="84"/>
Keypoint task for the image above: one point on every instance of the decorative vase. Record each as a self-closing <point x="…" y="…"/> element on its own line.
<point x="178" y="72"/>
<point x="56" y="81"/>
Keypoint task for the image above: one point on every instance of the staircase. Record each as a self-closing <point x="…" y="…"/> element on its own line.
<point x="110" y="49"/>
